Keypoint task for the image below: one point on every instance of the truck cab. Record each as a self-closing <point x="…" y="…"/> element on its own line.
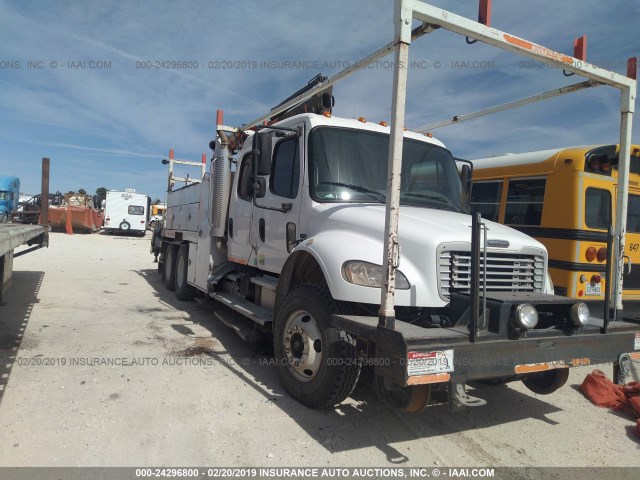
<point x="9" y="197"/>
<point x="320" y="205"/>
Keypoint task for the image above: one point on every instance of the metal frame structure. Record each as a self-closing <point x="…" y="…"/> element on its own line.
<point x="171" y="161"/>
<point x="433" y="18"/>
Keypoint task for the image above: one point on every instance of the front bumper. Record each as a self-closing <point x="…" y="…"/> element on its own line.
<point x="412" y="355"/>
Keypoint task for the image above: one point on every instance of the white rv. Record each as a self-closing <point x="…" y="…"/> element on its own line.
<point x="126" y="212"/>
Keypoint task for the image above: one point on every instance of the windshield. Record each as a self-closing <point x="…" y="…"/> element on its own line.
<point x="348" y="165"/>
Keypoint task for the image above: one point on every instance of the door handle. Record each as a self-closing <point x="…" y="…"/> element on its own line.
<point x="626" y="269"/>
<point x="261" y="228"/>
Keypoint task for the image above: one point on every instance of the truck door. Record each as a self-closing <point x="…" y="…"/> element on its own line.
<point x="276" y="216"/>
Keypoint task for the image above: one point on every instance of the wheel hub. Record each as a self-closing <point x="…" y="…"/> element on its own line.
<point x="302" y="345"/>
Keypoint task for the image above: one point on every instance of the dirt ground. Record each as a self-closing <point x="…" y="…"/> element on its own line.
<point x="101" y="366"/>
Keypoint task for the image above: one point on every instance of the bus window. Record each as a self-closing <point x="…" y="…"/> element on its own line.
<point x="524" y="201"/>
<point x="598" y="208"/>
<point x="485" y="199"/>
<point x="633" y="214"/>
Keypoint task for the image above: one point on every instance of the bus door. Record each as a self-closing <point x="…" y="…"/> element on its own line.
<point x="631" y="281"/>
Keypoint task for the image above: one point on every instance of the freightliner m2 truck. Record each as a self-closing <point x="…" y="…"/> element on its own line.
<point x="285" y="235"/>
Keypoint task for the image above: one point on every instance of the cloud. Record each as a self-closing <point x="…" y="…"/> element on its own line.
<point x="119" y="116"/>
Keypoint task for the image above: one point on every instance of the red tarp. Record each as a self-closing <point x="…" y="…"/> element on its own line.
<point x="604" y="393"/>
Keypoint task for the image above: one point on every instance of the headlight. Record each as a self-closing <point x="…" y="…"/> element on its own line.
<point x="527" y="316"/>
<point x="370" y="275"/>
<point x="579" y="314"/>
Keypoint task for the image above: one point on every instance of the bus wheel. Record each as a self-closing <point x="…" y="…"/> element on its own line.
<point x="169" y="268"/>
<point x="408" y="399"/>
<point x="547" y="382"/>
<point x="317" y="363"/>
<point x="184" y="291"/>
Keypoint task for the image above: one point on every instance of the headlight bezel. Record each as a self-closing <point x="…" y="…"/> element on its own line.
<point x="367" y="274"/>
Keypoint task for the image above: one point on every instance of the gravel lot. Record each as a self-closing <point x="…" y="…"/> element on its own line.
<point x="191" y="392"/>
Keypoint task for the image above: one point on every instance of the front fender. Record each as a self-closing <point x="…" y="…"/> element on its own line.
<point x="332" y="248"/>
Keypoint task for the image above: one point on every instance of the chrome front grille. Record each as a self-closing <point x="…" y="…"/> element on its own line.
<point x="505" y="272"/>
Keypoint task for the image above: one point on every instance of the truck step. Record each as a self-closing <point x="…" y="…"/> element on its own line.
<point x="270" y="283"/>
<point x="243" y="327"/>
<point x="250" y="310"/>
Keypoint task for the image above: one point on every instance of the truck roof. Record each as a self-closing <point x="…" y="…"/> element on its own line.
<point x="317" y="120"/>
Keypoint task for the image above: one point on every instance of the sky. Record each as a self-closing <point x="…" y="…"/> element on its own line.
<point x="105" y="89"/>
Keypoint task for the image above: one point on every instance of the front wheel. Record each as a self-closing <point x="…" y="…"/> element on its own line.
<point x="317" y="363"/>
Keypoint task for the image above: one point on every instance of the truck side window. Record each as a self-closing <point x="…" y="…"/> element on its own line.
<point x="524" y="201"/>
<point x="285" y="169"/>
<point x="245" y="180"/>
<point x="485" y="199"/>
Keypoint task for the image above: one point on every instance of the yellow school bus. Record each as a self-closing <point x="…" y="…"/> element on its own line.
<point x="565" y="198"/>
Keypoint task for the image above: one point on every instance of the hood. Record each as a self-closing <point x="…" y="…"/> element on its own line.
<point x="419" y="227"/>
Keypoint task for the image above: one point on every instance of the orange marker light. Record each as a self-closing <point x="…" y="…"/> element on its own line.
<point x="362" y="119"/>
<point x="383" y="123"/>
<point x="327" y="114"/>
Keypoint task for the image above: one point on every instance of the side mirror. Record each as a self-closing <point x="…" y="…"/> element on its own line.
<point x="264" y="149"/>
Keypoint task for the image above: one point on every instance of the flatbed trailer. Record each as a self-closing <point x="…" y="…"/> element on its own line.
<point x="14" y="235"/>
<point x="11" y="237"/>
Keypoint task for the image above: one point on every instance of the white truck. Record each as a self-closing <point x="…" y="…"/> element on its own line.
<point x="126" y="212"/>
<point x="348" y="245"/>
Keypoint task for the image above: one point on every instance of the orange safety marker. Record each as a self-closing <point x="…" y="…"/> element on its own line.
<point x="69" y="226"/>
<point x="632" y="68"/>
<point x="580" y="48"/>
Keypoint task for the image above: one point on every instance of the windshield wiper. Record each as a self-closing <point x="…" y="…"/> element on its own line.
<point x="372" y="193"/>
<point x="435" y="197"/>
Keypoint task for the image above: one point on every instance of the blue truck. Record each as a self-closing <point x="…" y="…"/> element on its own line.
<point x="9" y="195"/>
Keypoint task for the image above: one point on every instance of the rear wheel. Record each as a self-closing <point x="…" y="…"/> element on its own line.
<point x="317" y="363"/>
<point x="169" y="268"/>
<point x="184" y="291"/>
<point x="547" y="382"/>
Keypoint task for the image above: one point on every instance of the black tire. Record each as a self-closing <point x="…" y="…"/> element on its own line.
<point x="413" y="399"/>
<point x="125" y="227"/>
<point x="547" y="382"/>
<point x="184" y="291"/>
<point x="152" y="225"/>
<point x="317" y="363"/>
<point x="168" y="268"/>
